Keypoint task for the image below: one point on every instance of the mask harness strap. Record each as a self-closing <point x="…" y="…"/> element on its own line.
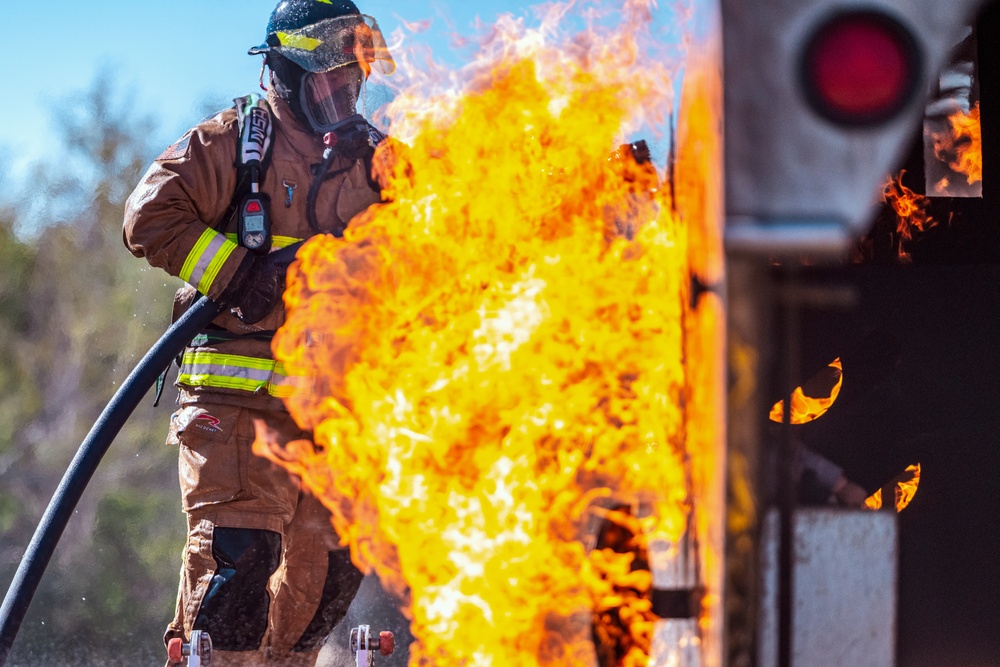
<point x="355" y="140"/>
<point x="323" y="174"/>
<point x="260" y="81"/>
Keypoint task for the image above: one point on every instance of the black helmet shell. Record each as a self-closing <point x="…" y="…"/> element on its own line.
<point x="295" y="14"/>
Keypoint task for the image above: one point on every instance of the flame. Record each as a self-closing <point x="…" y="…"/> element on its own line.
<point x="698" y="193"/>
<point x="623" y="609"/>
<point x="905" y="486"/>
<point x="962" y="147"/>
<point x="503" y="347"/>
<point x="806" y="408"/>
<point x="911" y="211"/>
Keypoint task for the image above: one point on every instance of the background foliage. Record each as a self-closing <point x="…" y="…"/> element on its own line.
<point x="77" y="312"/>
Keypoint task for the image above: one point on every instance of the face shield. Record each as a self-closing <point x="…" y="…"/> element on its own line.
<point x="331" y="43"/>
<point x="329" y="98"/>
<point x="337" y="55"/>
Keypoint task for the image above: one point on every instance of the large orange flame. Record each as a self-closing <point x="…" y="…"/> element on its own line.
<point x="500" y="350"/>
<point x="823" y="388"/>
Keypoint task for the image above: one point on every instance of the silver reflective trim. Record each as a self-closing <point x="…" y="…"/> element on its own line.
<point x="206" y="260"/>
<point x="255" y="374"/>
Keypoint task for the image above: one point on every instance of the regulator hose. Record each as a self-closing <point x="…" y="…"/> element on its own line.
<point x="88" y="456"/>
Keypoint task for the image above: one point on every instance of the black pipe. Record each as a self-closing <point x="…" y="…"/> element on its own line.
<point x="88" y="456"/>
<point x="787" y="486"/>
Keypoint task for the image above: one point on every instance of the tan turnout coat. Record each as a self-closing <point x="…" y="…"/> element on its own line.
<point x="170" y="220"/>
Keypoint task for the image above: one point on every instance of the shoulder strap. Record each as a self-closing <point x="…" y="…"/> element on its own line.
<point x="253" y="154"/>
<point x="254" y="120"/>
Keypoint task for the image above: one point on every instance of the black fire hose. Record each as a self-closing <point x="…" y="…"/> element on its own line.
<point x="89" y="455"/>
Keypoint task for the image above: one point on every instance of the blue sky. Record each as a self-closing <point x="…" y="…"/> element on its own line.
<point x="180" y="58"/>
<point x="177" y="57"/>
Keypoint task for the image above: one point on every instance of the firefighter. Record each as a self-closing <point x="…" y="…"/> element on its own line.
<point x="263" y="572"/>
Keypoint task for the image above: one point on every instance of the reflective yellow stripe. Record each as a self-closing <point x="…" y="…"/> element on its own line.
<point x="232" y="371"/>
<point x="219" y="382"/>
<point x="276" y="241"/>
<point x="192" y="259"/>
<point x="215" y="266"/>
<point x="283" y="385"/>
<point x="206" y="259"/>
<point x="280" y="391"/>
<point x="231" y="360"/>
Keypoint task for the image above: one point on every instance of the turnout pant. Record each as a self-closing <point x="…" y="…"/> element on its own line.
<point x="262" y="572"/>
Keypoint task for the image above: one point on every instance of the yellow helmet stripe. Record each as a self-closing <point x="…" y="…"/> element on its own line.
<point x="294" y="41"/>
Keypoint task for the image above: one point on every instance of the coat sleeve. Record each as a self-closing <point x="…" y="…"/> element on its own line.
<point x="169" y="217"/>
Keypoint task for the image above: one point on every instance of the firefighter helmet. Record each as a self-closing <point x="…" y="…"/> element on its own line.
<point x="321" y="36"/>
<point x="320" y="55"/>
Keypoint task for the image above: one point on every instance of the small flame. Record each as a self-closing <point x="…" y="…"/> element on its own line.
<point x="823" y="388"/>
<point x="911" y="211"/>
<point x="962" y="147"/>
<point x="905" y="487"/>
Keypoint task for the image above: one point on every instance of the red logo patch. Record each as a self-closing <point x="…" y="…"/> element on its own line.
<point x="208" y="422"/>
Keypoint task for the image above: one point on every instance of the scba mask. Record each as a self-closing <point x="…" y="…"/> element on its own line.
<point x="331" y="99"/>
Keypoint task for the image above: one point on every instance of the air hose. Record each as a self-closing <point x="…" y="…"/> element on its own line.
<point x="88" y="456"/>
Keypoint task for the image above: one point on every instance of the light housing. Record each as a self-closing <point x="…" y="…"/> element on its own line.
<point x="860" y="68"/>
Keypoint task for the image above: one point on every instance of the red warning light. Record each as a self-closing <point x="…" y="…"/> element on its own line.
<point x="253" y="206"/>
<point x="861" y="68"/>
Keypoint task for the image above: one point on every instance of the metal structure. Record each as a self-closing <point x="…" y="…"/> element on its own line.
<point x="803" y="179"/>
<point x="198" y="651"/>
<point x="845" y="588"/>
<point x="364" y="646"/>
<point x="796" y="179"/>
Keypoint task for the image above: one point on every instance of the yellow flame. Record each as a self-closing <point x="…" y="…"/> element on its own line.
<point x="504" y="342"/>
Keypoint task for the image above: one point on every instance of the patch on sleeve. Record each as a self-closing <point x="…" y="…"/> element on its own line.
<point x="177" y="150"/>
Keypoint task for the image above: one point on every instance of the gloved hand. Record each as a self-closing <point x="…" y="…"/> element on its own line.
<point x="254" y="290"/>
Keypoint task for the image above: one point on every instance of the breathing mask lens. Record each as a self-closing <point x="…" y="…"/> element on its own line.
<point x="329" y="98"/>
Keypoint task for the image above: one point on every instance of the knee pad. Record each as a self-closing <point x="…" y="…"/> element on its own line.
<point x="342" y="582"/>
<point x="235" y="607"/>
